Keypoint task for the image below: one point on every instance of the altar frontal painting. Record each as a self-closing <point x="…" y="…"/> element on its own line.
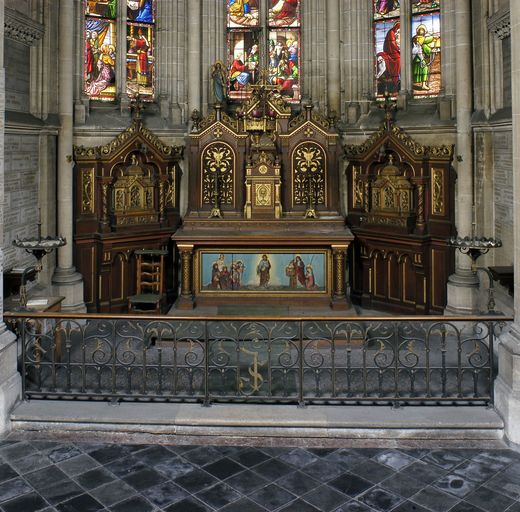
<point x="264" y="272"/>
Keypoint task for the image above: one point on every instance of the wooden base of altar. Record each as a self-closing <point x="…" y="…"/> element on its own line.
<point x="294" y="262"/>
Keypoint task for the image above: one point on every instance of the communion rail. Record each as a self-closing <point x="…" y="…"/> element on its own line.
<point x="301" y="360"/>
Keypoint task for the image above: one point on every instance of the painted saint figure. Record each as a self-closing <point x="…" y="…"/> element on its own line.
<point x="310" y="283"/>
<point x="388" y="62"/>
<point x="284" y="8"/>
<point x="263" y="271"/>
<point x="218" y="75"/>
<point x="423" y="44"/>
<point x="299" y="267"/>
<point x="106" y="75"/>
<point x="141" y="46"/>
<point x="290" y="272"/>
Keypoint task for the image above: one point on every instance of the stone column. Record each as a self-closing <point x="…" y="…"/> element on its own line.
<point x="66" y="280"/>
<point x="194" y="52"/>
<point x="333" y="54"/>
<point x="463" y="285"/>
<point x="507" y="384"/>
<point x="406" y="52"/>
<point x="10" y="382"/>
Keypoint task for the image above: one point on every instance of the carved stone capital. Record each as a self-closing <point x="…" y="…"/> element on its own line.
<point x="21" y="28"/>
<point x="500" y="24"/>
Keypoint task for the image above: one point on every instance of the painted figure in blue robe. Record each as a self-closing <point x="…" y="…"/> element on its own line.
<point x="239" y="7"/>
<point x="145" y="14"/>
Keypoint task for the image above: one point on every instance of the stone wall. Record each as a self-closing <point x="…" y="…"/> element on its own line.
<point x="21" y="186"/>
<point x="17" y="76"/>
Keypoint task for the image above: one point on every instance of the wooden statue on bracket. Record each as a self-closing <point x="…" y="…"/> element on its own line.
<point x="264" y="223"/>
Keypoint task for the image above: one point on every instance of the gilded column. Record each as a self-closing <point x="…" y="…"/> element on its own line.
<point x="338" y="277"/>
<point x="67" y="281"/>
<point x="186" y="299"/>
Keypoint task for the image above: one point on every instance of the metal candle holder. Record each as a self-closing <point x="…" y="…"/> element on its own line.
<point x="474" y="246"/>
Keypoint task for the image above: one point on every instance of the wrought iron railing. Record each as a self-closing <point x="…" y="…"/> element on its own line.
<point x="323" y="360"/>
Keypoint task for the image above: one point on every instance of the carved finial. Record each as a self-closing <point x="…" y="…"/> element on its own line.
<point x="196" y="118"/>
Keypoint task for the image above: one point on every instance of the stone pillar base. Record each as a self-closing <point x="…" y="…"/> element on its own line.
<point x="463" y="293"/>
<point x="10" y="379"/>
<point x="69" y="284"/>
<point x="507" y="384"/>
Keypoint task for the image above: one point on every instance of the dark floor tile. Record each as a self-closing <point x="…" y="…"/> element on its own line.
<point x="223" y="468"/>
<point x="373" y="471"/>
<point x="126" y="465"/>
<point x="298" y="483"/>
<point x="434" y="499"/>
<point x="31" y="463"/>
<point x="61" y="492"/>
<point x="505" y="484"/>
<point x="402" y="485"/>
<point x="347" y="458"/>
<point x="299" y="506"/>
<point x="321" y="452"/>
<point x="109" y="453"/>
<point x="379" y="499"/>
<point x="443" y="458"/>
<point x="94" y="478"/>
<point x="218" y="496"/>
<point x="46" y="477"/>
<point x="504" y="456"/>
<point x="78" y="465"/>
<point x="62" y="452"/>
<point x="464" y="506"/>
<point x="409" y="506"/>
<point x="82" y="503"/>
<point x="156" y="455"/>
<point x="134" y="504"/>
<point x="351" y="485"/>
<point x="489" y="500"/>
<point x="416" y="453"/>
<point x="514" y="508"/>
<point x="243" y="505"/>
<point x="112" y="493"/>
<point x="247" y="481"/>
<point x="273" y="469"/>
<point x="27" y="503"/>
<point x="42" y="445"/>
<point x="475" y="471"/>
<point x="165" y="494"/>
<point x="196" y="481"/>
<point x="188" y="505"/>
<point x="426" y="473"/>
<point x="368" y="452"/>
<point x="17" y="451"/>
<point x="7" y="473"/>
<point x="144" y="478"/>
<point x="181" y="448"/>
<point x="325" y="498"/>
<point x="456" y="485"/>
<point x="394" y="459"/>
<point x="272" y="497"/>
<point x="202" y="455"/>
<point x="250" y="457"/>
<point x="13" y="488"/>
<point x="354" y="506"/>
<point x="323" y="470"/>
<point x="175" y="468"/>
<point x="298" y="457"/>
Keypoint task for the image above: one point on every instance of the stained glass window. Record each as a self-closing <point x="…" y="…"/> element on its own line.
<point x="101" y="54"/>
<point x="271" y="43"/>
<point x="387" y="43"/>
<point x="425" y="58"/>
<point x="100" y="49"/>
<point x="140" y="51"/>
<point x="426" y="47"/>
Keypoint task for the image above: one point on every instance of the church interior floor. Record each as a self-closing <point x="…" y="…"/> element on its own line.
<point x="67" y="476"/>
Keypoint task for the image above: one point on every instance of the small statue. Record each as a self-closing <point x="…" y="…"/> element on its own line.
<point x="196" y="119"/>
<point x="219" y="78"/>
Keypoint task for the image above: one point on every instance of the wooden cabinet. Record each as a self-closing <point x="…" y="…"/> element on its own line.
<point x="401" y="210"/>
<point x="126" y="197"/>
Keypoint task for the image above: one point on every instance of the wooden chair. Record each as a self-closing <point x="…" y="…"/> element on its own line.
<point x="149" y="297"/>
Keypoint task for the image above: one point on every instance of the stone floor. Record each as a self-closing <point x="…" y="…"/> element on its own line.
<point x="87" y="477"/>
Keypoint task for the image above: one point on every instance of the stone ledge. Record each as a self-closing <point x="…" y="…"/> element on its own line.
<point x="260" y="421"/>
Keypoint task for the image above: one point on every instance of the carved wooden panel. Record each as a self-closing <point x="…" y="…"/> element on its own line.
<point x="218" y="174"/>
<point x="309" y="164"/>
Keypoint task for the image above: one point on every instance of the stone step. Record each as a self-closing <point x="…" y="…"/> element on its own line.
<point x="164" y="422"/>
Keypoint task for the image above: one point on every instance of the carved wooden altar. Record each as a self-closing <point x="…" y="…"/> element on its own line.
<point x="401" y="211"/>
<point x="263" y="222"/>
<point x="126" y="198"/>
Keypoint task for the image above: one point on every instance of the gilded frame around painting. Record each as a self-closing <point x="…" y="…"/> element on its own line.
<point x="238" y="271"/>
